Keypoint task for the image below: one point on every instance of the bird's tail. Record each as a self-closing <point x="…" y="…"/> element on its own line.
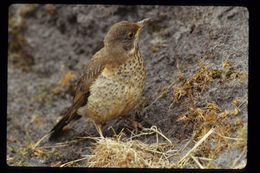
<point x="70" y="115"/>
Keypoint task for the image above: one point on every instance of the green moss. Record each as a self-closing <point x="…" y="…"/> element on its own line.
<point x="19" y="159"/>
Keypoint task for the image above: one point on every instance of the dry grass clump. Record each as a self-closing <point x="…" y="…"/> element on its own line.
<point x="203" y="76"/>
<point x="227" y="134"/>
<point x="131" y="154"/>
<point x="66" y="81"/>
<point x="229" y="130"/>
<point x="125" y="152"/>
<point x="18" y="46"/>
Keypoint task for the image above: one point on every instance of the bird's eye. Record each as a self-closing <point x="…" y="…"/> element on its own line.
<point x="130" y="35"/>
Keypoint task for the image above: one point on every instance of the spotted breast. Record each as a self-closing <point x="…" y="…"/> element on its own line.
<point x="117" y="91"/>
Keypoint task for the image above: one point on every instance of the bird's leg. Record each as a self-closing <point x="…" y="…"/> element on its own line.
<point x="99" y="128"/>
<point x="134" y="123"/>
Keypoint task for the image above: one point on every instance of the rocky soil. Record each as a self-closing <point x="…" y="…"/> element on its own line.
<point x="193" y="56"/>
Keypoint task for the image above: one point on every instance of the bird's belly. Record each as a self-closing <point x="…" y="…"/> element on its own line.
<point x="116" y="91"/>
<point x="109" y="99"/>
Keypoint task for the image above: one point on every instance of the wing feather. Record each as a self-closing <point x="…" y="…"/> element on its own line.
<point x="90" y="74"/>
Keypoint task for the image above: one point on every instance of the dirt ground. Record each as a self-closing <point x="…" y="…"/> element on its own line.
<point x="196" y="61"/>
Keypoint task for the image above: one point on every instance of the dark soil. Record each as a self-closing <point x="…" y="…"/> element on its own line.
<point x="48" y="41"/>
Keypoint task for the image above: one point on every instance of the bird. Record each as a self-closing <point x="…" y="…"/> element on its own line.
<point x="113" y="81"/>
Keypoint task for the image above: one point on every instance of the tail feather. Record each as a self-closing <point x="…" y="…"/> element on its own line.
<point x="68" y="117"/>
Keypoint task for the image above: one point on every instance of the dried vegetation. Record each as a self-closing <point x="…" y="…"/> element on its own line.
<point x="215" y="131"/>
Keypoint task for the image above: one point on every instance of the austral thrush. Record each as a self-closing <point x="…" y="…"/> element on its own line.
<point x="113" y="81"/>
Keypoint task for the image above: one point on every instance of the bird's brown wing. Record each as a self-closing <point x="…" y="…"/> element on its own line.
<point x="93" y="70"/>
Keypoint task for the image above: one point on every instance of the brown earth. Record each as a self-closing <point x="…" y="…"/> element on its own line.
<point x="196" y="60"/>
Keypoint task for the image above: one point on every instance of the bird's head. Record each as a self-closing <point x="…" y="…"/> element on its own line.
<point x="123" y="37"/>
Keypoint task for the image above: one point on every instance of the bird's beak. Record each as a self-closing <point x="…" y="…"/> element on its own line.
<point x="141" y="24"/>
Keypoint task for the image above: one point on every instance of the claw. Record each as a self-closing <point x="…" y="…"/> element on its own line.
<point x="135" y="124"/>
